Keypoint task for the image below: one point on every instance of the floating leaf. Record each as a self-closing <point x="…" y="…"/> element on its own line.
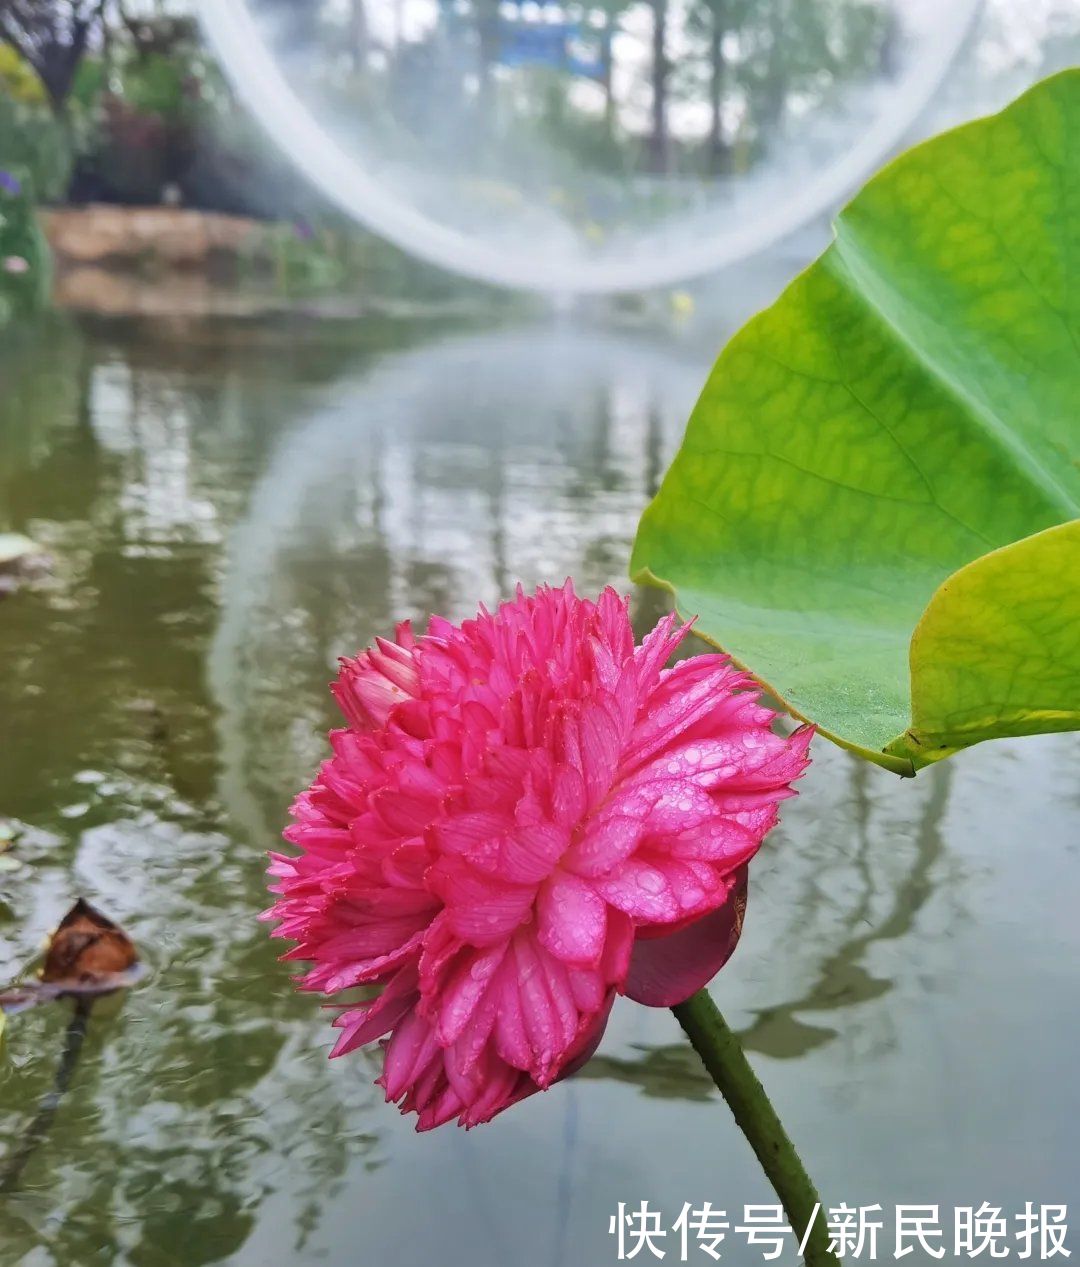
<point x="883" y="451"/>
<point x="87" y="955"/>
<point x="87" y="950"/>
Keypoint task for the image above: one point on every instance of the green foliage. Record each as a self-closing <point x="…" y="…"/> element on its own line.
<point x="164" y="86"/>
<point x="307" y="259"/>
<point x="17" y="78"/>
<point x="35" y="146"/>
<point x="23" y="252"/>
<point x="889" y="448"/>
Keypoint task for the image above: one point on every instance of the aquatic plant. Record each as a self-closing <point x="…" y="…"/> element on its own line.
<point x="526" y="815"/>
<point x="875" y="505"/>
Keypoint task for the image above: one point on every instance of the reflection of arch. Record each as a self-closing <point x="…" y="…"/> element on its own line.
<point x="362" y="190"/>
<point x="473" y="463"/>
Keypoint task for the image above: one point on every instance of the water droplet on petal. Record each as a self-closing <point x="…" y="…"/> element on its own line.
<point x="650" y="881"/>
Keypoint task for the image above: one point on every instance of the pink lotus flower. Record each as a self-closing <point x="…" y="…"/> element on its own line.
<point x="525" y="816"/>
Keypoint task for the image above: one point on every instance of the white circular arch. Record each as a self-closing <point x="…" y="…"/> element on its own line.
<point x="258" y="80"/>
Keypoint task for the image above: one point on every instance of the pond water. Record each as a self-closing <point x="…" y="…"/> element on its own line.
<point x="230" y="506"/>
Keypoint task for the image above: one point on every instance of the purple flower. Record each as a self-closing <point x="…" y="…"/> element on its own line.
<point x="10" y="184"/>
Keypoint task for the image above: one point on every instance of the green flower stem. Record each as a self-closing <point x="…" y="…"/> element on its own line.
<point x="722" y="1055"/>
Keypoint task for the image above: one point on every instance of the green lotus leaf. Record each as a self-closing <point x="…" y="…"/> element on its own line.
<point x="864" y="511"/>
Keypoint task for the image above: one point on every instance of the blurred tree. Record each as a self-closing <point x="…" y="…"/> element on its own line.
<point x="718" y="17"/>
<point x="359" y="34"/>
<point x="751" y="58"/>
<point x="156" y="34"/>
<point x="486" y="15"/>
<point x="809" y="48"/>
<point x="298" y="21"/>
<point x="612" y="11"/>
<point x="54" y="37"/>
<point x="659" y="149"/>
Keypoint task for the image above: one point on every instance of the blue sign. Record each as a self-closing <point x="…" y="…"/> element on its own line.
<point x="524" y="43"/>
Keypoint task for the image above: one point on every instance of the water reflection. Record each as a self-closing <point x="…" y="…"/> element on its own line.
<point x="192" y="1094"/>
<point x="843" y="978"/>
<point x="668" y="1073"/>
<point x="855" y="905"/>
<point x="229" y="514"/>
<point x="434" y="483"/>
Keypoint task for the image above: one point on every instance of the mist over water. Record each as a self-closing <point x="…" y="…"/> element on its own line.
<point x="538" y="145"/>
